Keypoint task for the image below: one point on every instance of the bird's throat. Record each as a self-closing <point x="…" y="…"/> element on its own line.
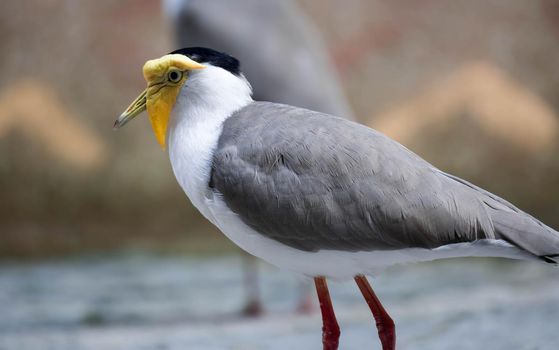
<point x="160" y="102"/>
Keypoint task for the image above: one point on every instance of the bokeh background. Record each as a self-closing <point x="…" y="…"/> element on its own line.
<point x="101" y="249"/>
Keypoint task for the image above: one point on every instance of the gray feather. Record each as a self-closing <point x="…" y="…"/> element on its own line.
<point x="313" y="181"/>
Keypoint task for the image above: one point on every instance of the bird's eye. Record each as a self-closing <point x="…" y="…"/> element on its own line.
<point x="174" y="76"/>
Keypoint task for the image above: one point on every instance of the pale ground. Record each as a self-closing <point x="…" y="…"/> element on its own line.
<point x="162" y="303"/>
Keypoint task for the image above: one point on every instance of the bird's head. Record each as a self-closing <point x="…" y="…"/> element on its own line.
<point x="165" y="77"/>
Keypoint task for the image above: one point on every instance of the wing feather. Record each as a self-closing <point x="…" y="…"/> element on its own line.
<point x="313" y="181"/>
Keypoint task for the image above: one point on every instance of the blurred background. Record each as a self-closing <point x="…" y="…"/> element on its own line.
<point x="100" y="248"/>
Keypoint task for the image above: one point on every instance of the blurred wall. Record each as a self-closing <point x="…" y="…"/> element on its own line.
<point x="67" y="181"/>
<point x="472" y="86"/>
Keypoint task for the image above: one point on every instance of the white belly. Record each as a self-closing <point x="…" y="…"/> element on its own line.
<point x="340" y="264"/>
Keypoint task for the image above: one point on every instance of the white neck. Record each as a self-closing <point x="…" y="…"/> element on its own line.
<point x="211" y="90"/>
<point x="206" y="100"/>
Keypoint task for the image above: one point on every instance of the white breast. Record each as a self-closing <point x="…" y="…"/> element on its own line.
<point x="190" y="151"/>
<point x="208" y="97"/>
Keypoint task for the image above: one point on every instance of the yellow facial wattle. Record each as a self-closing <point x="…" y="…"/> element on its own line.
<point x="160" y="100"/>
<point x="165" y="77"/>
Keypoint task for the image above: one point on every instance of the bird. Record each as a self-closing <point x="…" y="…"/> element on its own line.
<point x="316" y="194"/>
<point x="305" y="78"/>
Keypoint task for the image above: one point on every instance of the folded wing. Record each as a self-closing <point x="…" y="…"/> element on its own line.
<point x="313" y="182"/>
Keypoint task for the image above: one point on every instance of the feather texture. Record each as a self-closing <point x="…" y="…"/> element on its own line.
<point x="316" y="182"/>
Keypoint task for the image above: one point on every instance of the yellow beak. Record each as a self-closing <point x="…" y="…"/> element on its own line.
<point x="135" y="108"/>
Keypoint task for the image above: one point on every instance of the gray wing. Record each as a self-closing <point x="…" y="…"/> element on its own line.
<point x="314" y="182"/>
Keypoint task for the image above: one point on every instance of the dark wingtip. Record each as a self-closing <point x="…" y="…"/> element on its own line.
<point x="550" y="259"/>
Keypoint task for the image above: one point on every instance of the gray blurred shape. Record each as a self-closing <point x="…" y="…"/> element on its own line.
<point x="281" y="52"/>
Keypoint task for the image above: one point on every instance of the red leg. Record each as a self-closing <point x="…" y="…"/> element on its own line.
<point x="385" y="325"/>
<point x="330" y="328"/>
